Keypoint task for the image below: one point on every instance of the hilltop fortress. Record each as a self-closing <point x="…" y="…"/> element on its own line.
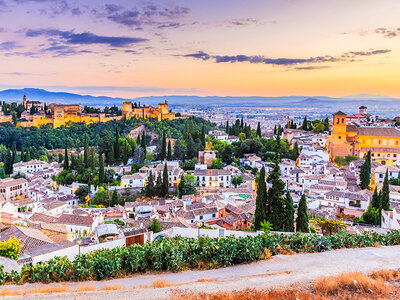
<point x="160" y="113"/>
<point x="36" y="114"/>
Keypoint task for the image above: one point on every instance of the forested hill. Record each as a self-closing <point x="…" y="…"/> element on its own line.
<point x="73" y="135"/>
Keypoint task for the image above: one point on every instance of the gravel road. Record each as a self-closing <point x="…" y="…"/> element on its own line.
<point x="278" y="271"/>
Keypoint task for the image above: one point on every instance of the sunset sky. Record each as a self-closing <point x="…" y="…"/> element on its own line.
<point x="202" y="47"/>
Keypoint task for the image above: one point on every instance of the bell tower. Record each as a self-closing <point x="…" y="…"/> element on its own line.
<point x="24" y="102"/>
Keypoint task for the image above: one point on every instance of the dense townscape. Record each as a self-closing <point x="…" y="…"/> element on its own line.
<point x="146" y="179"/>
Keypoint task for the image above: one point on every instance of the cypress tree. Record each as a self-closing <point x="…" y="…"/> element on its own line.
<point x="275" y="202"/>
<point x="191" y="148"/>
<point x="295" y="151"/>
<point x="385" y="200"/>
<point x="14" y="154"/>
<point x="23" y="153"/>
<point x="117" y="150"/>
<point x="165" y="182"/>
<point x="275" y="132"/>
<point x="289" y="213"/>
<point x="126" y="153"/>
<point x="149" y="188"/>
<point x="163" y="154"/>
<point x="302" y="216"/>
<point x="114" y="198"/>
<point x="159" y="186"/>
<point x="227" y="127"/>
<point x="102" y="175"/>
<point x="92" y="158"/>
<point x="86" y="152"/>
<point x="259" y="215"/>
<point x="203" y="137"/>
<point x="2" y="173"/>
<point x="143" y="141"/>
<point x="169" y="153"/>
<point x="66" y="159"/>
<point x="365" y="172"/>
<point x="178" y="150"/>
<point x="138" y="141"/>
<point x="8" y="163"/>
<point x="305" y="124"/>
<point x="376" y="201"/>
<point x="258" y="130"/>
<point x="27" y="155"/>
<point x="241" y="124"/>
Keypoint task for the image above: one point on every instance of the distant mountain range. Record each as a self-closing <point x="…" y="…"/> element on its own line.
<point x="349" y="103"/>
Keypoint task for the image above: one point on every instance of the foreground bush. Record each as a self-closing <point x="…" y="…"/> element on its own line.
<point x="179" y="253"/>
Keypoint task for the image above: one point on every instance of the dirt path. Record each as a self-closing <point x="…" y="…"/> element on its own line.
<point x="278" y="271"/>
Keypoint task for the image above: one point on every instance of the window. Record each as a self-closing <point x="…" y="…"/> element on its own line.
<point x="201" y="217"/>
<point x="342" y="120"/>
<point x="213" y="215"/>
<point x="394" y="155"/>
<point x="340" y="137"/>
<point x="337" y="121"/>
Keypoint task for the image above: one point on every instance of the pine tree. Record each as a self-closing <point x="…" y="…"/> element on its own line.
<point x="258" y="130"/>
<point x="169" y="153"/>
<point x="302" y="216"/>
<point x="165" y="182"/>
<point x="305" y="124"/>
<point x="149" y="188"/>
<point x="163" y="153"/>
<point x="66" y="159"/>
<point x="259" y="215"/>
<point x="86" y="152"/>
<point x="385" y="200"/>
<point x="102" y="175"/>
<point x="289" y="213"/>
<point x="365" y="172"/>
<point x="275" y="202"/>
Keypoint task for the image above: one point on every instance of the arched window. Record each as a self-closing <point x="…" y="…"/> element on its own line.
<point x="342" y="120"/>
<point x="337" y="121"/>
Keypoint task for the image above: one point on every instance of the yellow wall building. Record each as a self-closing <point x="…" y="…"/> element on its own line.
<point x="348" y="139"/>
<point x="160" y="113"/>
<point x="62" y="114"/>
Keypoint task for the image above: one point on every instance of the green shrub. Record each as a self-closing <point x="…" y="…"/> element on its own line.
<point x="180" y="253"/>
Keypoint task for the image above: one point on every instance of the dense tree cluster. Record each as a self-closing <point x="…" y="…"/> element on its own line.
<point x="72" y="136"/>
